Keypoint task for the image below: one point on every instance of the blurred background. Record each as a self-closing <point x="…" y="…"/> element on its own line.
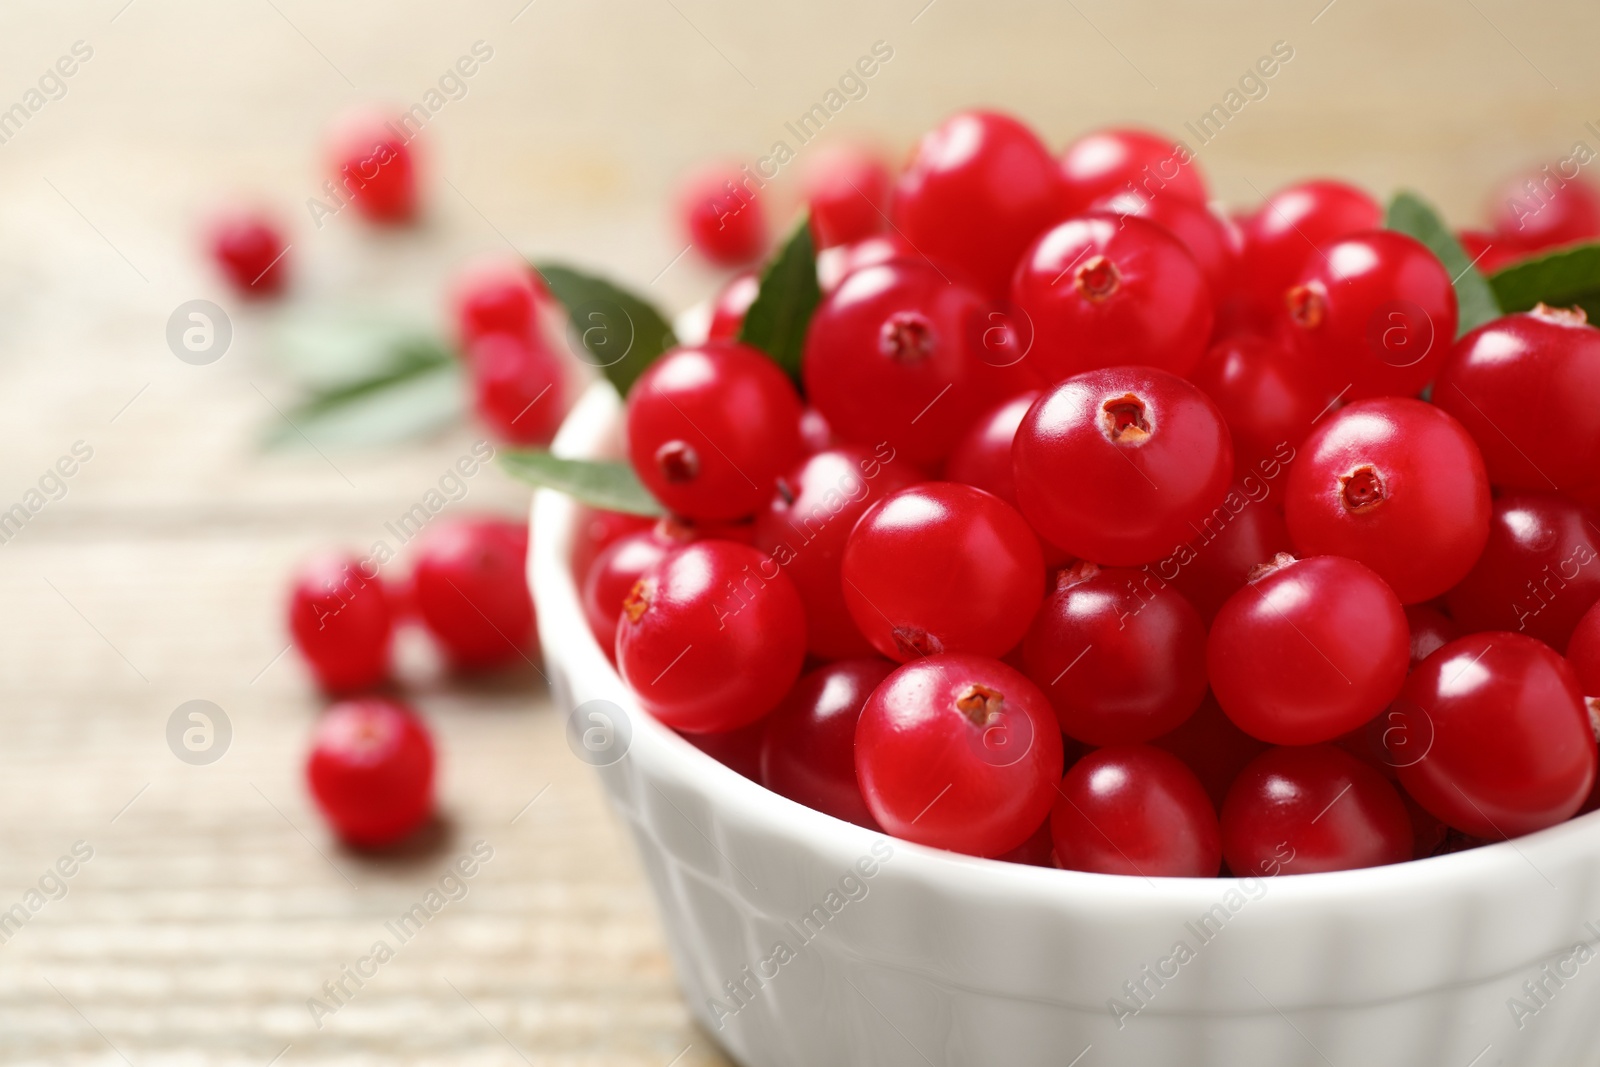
<point x="214" y="902"/>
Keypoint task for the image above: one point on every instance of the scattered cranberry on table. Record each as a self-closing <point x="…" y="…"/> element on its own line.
<point x="469" y="588"/>
<point x="250" y="251"/>
<point x="518" y="387"/>
<point x="342" y="622"/>
<point x="372" y="166"/>
<point x="371" y="771"/>
<point x="722" y="215"/>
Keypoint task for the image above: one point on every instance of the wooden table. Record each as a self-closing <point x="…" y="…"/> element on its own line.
<point x="214" y="904"/>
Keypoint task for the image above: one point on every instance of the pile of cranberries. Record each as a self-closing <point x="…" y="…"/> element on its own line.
<point x="1105" y="530"/>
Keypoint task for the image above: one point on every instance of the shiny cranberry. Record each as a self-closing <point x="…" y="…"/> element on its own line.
<point x="1308" y="650"/>
<point x="805" y="529"/>
<point x="1134" y="809"/>
<point x="722" y="215"/>
<point x="815" y="433"/>
<point x="495" y="294"/>
<point x="372" y="165"/>
<point x="1242" y="532"/>
<point x="1306" y="810"/>
<point x="1537" y="575"/>
<point x="1285" y="235"/>
<point x="982" y="457"/>
<point x="342" y="621"/>
<point x="1108" y="162"/>
<point x="1539" y="210"/>
<point x="1213" y="747"/>
<point x="1431" y="629"/>
<point x="727" y="312"/>
<point x="1102" y="291"/>
<point x="942" y="567"/>
<point x="808" y="752"/>
<point x="1374" y="313"/>
<point x="1121" y="656"/>
<point x="711" y="637"/>
<point x="846" y="189"/>
<point x="595" y="530"/>
<point x="710" y="429"/>
<point x="249" y="250"/>
<point x="1146" y="456"/>
<point x="893" y="354"/>
<point x="371" y="771"/>
<point x="959" y="752"/>
<point x="839" y="262"/>
<point x="1524" y="386"/>
<point x="1396" y="484"/>
<point x="979" y="189"/>
<point x="1211" y="239"/>
<point x="1511" y="747"/>
<point x="1266" y="393"/>
<point x="518" y="387"/>
<point x="471" y="589"/>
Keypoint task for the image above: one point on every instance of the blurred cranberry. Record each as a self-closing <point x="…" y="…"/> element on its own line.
<point x="722" y="215"/>
<point x="342" y="621"/>
<point x="727" y="312"/>
<point x="847" y="188"/>
<point x="249" y="250"/>
<point x="472" y="590"/>
<point x="517" y="388"/>
<point x="371" y="771"/>
<point x="371" y="162"/>
<point x="1539" y="209"/>
<point x="495" y="294"/>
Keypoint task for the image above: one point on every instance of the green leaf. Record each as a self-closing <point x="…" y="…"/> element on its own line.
<point x="601" y="483"/>
<point x="324" y="349"/>
<point x="420" y="389"/>
<point x="776" y="322"/>
<point x="1411" y="215"/>
<point x="614" y="330"/>
<point x="1561" y="279"/>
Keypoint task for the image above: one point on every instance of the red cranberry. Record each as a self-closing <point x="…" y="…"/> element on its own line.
<point x="815" y="433"/>
<point x="1145" y="447"/>
<point x="1102" y="291"/>
<point x="1310" y="649"/>
<point x="805" y="529"/>
<point x="846" y="188"/>
<point x="1524" y="386"/>
<point x="1374" y="313"/>
<point x="341" y="621"/>
<point x="1133" y="809"/>
<point x="958" y="752"/>
<point x="595" y="530"/>
<point x="1239" y="534"/>
<point x="371" y="771"/>
<point x="982" y="458"/>
<point x="614" y="571"/>
<point x="1212" y="240"/>
<point x="471" y="589"/>
<point x="1121" y="656"/>
<point x="1539" y="210"/>
<point x="1284" y="236"/>
<point x="517" y="387"/>
<point x="1511" y="747"/>
<point x="1491" y="252"/>
<point x="1213" y="747"/>
<point x="727" y="313"/>
<point x="1109" y="162"/>
<point x="1431" y="629"/>
<point x="738" y="749"/>
<point x="1537" y="575"/>
<point x="1038" y="850"/>
<point x="495" y="294"/>
<point x="942" y="567"/>
<point x="894" y="354"/>
<point x="710" y="429"/>
<point x="836" y="264"/>
<point x="808" y="753"/>
<point x="1306" y="810"/>
<point x="1583" y="651"/>
<point x="249" y="250"/>
<point x="372" y="165"/>
<point x="711" y="637"/>
<point x="979" y="189"/>
<point x="722" y="215"/>
<point x="1266" y="392"/>
<point x="1398" y="485"/>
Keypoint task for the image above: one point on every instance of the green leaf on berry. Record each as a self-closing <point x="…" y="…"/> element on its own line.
<point x="776" y="322"/>
<point x="409" y="389"/>
<point x="1568" y="277"/>
<point x="600" y="483"/>
<point x="611" y="329"/>
<point x="1411" y="215"/>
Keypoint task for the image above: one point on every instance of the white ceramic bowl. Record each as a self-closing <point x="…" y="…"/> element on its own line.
<point x="912" y="956"/>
